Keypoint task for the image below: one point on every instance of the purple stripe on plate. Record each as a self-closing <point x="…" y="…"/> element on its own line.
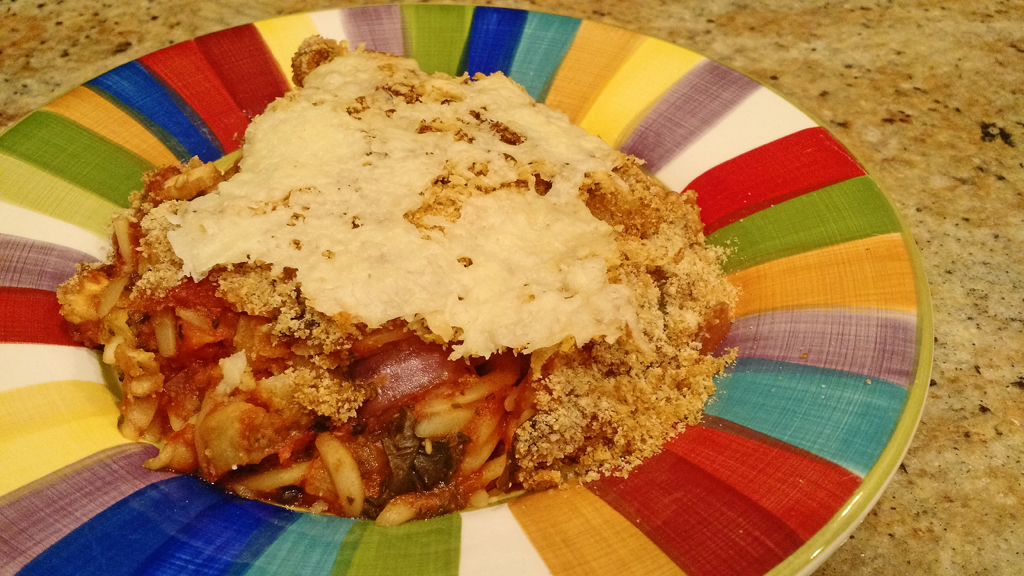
<point x="694" y="104"/>
<point x="876" y="344"/>
<point x="26" y="263"/>
<point x="379" y="26"/>
<point x="37" y="515"/>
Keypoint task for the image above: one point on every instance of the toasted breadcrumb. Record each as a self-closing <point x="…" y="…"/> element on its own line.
<point x="160" y="267"/>
<point x="606" y="407"/>
<point x="313" y="52"/>
<point x="326" y="395"/>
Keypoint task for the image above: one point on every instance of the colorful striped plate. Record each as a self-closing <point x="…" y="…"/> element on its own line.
<point x="833" y="325"/>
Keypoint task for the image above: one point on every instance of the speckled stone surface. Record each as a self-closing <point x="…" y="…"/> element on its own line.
<point x="929" y="95"/>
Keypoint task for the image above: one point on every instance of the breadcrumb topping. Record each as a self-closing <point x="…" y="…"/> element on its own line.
<point x="605" y="407"/>
<point x="326" y="395"/>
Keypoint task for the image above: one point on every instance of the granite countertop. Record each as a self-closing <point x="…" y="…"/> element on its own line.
<point x="928" y="95"/>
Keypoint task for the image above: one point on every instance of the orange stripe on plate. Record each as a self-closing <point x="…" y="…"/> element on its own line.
<point x="870" y="273"/>
<point x="90" y="110"/>
<point x="577" y="533"/>
<point x="593" y="59"/>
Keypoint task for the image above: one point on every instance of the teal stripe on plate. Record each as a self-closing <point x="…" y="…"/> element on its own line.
<point x="849" y="210"/>
<point x="424" y="547"/>
<point x="842" y="417"/>
<point x="545" y="40"/>
<point x="77" y="155"/>
<point x="307" y="547"/>
<point x="435" y="36"/>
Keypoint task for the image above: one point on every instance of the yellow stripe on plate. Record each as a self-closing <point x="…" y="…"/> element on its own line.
<point x="47" y="426"/>
<point x="283" y="36"/>
<point x="92" y="111"/>
<point x="646" y="75"/>
<point x="30" y="187"/>
<point x="577" y="533"/>
<point x="595" y="55"/>
<point x="870" y="273"/>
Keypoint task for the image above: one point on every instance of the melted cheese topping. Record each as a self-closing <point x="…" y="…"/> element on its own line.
<point x="330" y="173"/>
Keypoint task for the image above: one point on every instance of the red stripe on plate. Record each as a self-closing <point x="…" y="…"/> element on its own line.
<point x="32" y="316"/>
<point x="245" y="66"/>
<point x="706" y="526"/>
<point x="801" y="489"/>
<point x="183" y="68"/>
<point x="802" y="162"/>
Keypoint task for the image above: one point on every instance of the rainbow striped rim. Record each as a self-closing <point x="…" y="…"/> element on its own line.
<point x="833" y="326"/>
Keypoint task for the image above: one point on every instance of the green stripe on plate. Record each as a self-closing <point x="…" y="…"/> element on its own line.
<point x="424" y="547"/>
<point x="850" y="210"/>
<point x="73" y="153"/>
<point x="436" y="36"/>
<point x="28" y="186"/>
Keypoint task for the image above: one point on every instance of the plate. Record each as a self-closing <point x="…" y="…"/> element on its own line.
<point x="833" y="323"/>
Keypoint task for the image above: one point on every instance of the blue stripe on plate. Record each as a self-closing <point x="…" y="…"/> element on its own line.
<point x="179" y="526"/>
<point x="837" y="415"/>
<point x="119" y="540"/>
<point x="225" y="538"/>
<point x="493" y="39"/>
<point x="135" y="88"/>
<point x="545" y="40"/>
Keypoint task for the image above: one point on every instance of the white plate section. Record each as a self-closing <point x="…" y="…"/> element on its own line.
<point x="494" y="544"/>
<point x="18" y="221"/>
<point x="28" y="364"/>
<point x="762" y="117"/>
<point x="328" y="24"/>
